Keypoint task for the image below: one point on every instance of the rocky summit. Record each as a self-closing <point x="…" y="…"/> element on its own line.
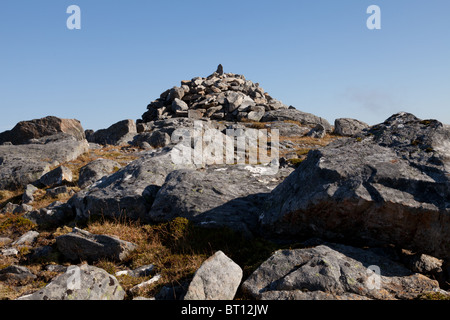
<point x="220" y="96"/>
<point x="222" y="192"/>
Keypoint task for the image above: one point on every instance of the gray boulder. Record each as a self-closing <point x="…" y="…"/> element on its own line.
<point x="218" y="278"/>
<point x="55" y="215"/>
<point x="9" y="208"/>
<point x="296" y="115"/>
<point x="155" y="139"/>
<point x="426" y="265"/>
<point x="234" y="99"/>
<point x="9" y="252"/>
<point x="96" y="170"/>
<point x="24" y="164"/>
<point x="143" y="271"/>
<point x="130" y="191"/>
<point x="82" y="245"/>
<point x="38" y="128"/>
<point x="23" y="208"/>
<point x="57" y="191"/>
<point x="317" y="132"/>
<point x="179" y="105"/>
<point x="215" y="197"/>
<point x="56" y="177"/>
<point x="175" y="93"/>
<point x="26" y="239"/>
<point x="256" y="113"/>
<point x="80" y="283"/>
<point x="120" y="133"/>
<point x="334" y="272"/>
<point x="16" y="273"/>
<point x="27" y="196"/>
<point x="349" y="127"/>
<point x="388" y="186"/>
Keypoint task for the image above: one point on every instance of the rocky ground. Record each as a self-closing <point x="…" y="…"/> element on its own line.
<point x="341" y="212"/>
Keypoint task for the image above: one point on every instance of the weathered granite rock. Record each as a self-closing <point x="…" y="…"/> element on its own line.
<point x="23" y="208"/>
<point x="130" y="191"/>
<point x="218" y="278"/>
<point x="9" y="252"/>
<point x="9" y="208"/>
<point x="143" y="271"/>
<point x="215" y="197"/>
<point x="38" y="128"/>
<point x="80" y="283"/>
<point x="56" y="177"/>
<point x="57" y="191"/>
<point x="334" y="271"/>
<point x="26" y="239"/>
<point x="298" y="116"/>
<point x="82" y="245"/>
<point x="16" y="273"/>
<point x="135" y="290"/>
<point x="120" y="133"/>
<point x="390" y="185"/>
<point x="56" y="268"/>
<point x="96" y="170"/>
<point x="27" y="197"/>
<point x="24" y="164"/>
<point x="348" y="127"/>
<point x="426" y="265"/>
<point x="55" y="215"/>
<point x="155" y="139"/>
<point x="317" y="132"/>
<point x="175" y="93"/>
<point x="179" y="105"/>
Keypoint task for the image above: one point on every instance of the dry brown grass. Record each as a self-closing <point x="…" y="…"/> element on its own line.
<point x="177" y="249"/>
<point x="153" y="248"/>
<point x="12" y="225"/>
<point x="309" y="141"/>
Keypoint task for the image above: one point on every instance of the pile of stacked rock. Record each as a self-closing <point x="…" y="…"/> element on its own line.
<point x="220" y="96"/>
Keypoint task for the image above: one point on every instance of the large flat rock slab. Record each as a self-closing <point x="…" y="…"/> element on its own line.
<point x="24" y="164"/>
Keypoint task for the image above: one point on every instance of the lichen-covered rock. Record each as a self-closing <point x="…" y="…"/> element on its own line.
<point x="219" y="196"/>
<point x="38" y="128"/>
<point x="218" y="278"/>
<point x="82" y="245"/>
<point x="16" y="273"/>
<point x="56" y="177"/>
<point x="349" y="127"/>
<point x="389" y="185"/>
<point x="301" y="117"/>
<point x="129" y="191"/>
<point x="120" y="133"/>
<point x="26" y="239"/>
<point x="96" y="170"/>
<point x="54" y="215"/>
<point x="21" y="165"/>
<point x="334" y="272"/>
<point x="80" y="283"/>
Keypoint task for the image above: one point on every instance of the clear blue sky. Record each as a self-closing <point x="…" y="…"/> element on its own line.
<point x="316" y="55"/>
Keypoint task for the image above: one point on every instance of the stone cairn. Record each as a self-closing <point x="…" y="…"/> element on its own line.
<point x="220" y="96"/>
